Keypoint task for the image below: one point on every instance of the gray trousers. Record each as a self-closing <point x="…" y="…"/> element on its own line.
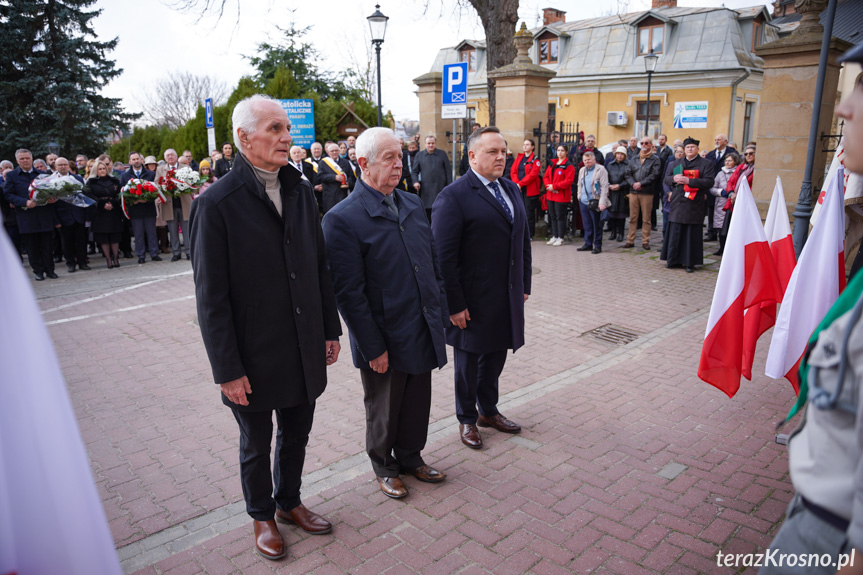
<point x="397" y="419"/>
<point x="803" y="533"/>
<point x="174" y="232"/>
<point x="144" y="230"/>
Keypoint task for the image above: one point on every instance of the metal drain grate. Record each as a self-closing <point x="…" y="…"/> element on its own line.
<point x="610" y="333"/>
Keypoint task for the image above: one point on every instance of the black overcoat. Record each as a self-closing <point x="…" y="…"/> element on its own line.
<point x="266" y="305"/>
<point x="105" y="190"/>
<point x="485" y="263"/>
<point x="681" y="209"/>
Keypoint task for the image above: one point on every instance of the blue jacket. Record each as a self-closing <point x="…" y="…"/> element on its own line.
<point x="485" y="262"/>
<point x="388" y="285"/>
<point x="67" y="213"/>
<point x="16" y="190"/>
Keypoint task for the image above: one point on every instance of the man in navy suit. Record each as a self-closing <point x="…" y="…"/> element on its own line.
<point x="482" y="241"/>
<point x="390" y="293"/>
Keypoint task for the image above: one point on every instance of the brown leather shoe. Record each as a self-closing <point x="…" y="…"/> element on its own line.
<point x="268" y="541"/>
<point x="307" y="520"/>
<point x="628" y="245"/>
<point x="645" y="246"/>
<point x="499" y="422"/>
<point x="470" y="435"/>
<point x="427" y="473"/>
<point x="393" y="487"/>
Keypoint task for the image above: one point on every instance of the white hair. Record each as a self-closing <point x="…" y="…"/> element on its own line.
<point x="369" y="143"/>
<point x="245" y="116"/>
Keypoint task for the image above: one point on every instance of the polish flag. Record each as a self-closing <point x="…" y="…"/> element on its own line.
<point x="759" y="319"/>
<point x="815" y="284"/>
<point x="747" y="278"/>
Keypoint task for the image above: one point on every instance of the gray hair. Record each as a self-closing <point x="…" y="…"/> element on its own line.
<point x="369" y="143"/>
<point x="7" y="164"/>
<point x="588" y="153"/>
<point x="40" y="162"/>
<point x="165" y="153"/>
<point x="20" y="151"/>
<point x="245" y="116"/>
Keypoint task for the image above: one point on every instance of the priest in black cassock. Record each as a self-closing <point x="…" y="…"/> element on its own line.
<point x="690" y="179"/>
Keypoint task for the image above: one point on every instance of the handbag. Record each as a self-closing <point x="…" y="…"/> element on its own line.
<point x="593" y="204"/>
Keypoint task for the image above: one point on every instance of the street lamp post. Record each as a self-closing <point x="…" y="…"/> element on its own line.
<point x="650" y="61"/>
<point x="378" y="26"/>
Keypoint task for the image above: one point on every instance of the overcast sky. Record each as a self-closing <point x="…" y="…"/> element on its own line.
<point x="155" y="38"/>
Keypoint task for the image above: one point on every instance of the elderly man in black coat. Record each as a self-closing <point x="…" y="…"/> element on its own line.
<point x="483" y="245"/>
<point x="390" y="293"/>
<point x="36" y="223"/>
<point x="267" y="312"/>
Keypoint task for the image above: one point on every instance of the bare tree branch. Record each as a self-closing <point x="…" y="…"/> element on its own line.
<point x="174" y="99"/>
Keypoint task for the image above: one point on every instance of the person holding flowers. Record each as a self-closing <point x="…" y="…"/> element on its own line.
<point x="176" y="211"/>
<point x="107" y="222"/>
<point x="36" y="223"/>
<point x="139" y="200"/>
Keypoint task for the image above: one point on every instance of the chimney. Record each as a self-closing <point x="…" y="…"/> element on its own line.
<point x="664" y="4"/>
<point x="552" y="16"/>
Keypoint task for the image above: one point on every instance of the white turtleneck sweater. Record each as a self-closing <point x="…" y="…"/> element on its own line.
<point x="271" y="186"/>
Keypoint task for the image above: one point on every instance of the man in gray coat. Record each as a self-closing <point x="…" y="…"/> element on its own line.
<point x="431" y="172"/>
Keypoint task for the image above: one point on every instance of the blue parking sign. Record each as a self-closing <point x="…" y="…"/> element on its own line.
<point x="208" y="108"/>
<point x="454" y="84"/>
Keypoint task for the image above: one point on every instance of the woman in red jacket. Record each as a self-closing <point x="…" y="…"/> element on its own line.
<point x="558" y="182"/>
<point x="525" y="173"/>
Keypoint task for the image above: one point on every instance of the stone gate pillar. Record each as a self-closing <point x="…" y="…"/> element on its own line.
<point x="521" y="94"/>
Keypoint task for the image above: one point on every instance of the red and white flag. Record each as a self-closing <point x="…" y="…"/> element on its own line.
<point x="51" y="518"/>
<point x="747" y="278"/>
<point x="759" y="319"/>
<point x="815" y="284"/>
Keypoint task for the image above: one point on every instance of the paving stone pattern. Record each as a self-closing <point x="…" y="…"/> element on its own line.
<point x="627" y="462"/>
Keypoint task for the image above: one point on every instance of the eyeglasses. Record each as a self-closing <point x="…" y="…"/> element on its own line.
<point x="748" y="153"/>
<point x="646" y="143"/>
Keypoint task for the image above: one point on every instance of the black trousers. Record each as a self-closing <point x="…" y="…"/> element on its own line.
<point x="256" y="435"/>
<point x="126" y="237"/>
<point x="40" y="251"/>
<point x="397" y="419"/>
<point x="476" y="383"/>
<point x="533" y="207"/>
<point x="74" y="244"/>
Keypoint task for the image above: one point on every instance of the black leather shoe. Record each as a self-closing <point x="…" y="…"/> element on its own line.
<point x="426" y="473"/>
<point x="689" y="270"/>
<point x="52" y="275"/>
<point x="127" y="255"/>
<point x="141" y="260"/>
<point x="84" y="267"/>
<point x="39" y="277"/>
<point x="175" y="258"/>
<point x="710" y="238"/>
<point x="70" y="269"/>
<point x="499" y="422"/>
<point x="597" y="250"/>
<point x="584" y="248"/>
<point x="156" y="259"/>
<point x="393" y="487"/>
<point x="470" y="435"/>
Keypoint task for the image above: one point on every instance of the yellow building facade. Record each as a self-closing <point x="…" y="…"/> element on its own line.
<point x="705" y="63"/>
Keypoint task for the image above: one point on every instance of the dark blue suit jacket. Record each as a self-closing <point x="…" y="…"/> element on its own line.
<point x="387" y="282"/>
<point x="485" y="261"/>
<point x="16" y="190"/>
<point x="711" y="155"/>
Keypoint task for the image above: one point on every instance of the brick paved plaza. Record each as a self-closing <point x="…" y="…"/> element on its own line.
<point x="627" y="462"/>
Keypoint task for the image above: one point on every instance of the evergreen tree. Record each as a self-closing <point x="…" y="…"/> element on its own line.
<point x="51" y="76"/>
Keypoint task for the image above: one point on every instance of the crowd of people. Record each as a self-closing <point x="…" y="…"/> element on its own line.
<point x="583" y="193"/>
<point x="577" y="191"/>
